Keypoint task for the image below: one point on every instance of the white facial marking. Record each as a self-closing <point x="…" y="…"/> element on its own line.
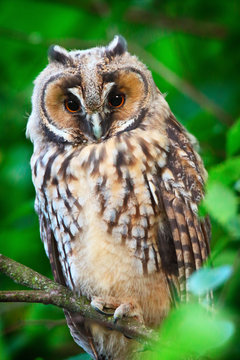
<point x="107" y="88"/>
<point x="58" y="132"/>
<point x="75" y="92"/>
<point x="125" y="124"/>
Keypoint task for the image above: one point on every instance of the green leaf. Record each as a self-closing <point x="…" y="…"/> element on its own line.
<point x="192" y="331"/>
<point x="226" y="172"/>
<point x="233" y="227"/>
<point x="221" y="202"/>
<point x="207" y="279"/>
<point x="233" y="139"/>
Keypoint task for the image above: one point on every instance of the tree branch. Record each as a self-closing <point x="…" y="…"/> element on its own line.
<point x="182" y="85"/>
<point x="47" y="292"/>
<point x="186" y="25"/>
<point x="48" y="323"/>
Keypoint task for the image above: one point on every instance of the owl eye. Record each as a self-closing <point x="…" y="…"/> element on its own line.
<point x="72" y="105"/>
<point x="116" y="100"/>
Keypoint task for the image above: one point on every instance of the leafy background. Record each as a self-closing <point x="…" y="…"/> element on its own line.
<point x="192" y="47"/>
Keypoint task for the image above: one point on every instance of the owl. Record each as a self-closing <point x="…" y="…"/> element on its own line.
<point x="118" y="183"/>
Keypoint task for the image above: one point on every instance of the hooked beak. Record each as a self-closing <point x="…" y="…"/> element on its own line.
<point x="96" y="125"/>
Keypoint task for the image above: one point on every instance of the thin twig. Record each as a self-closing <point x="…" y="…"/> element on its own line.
<point x="48" y="292"/>
<point x="185" y="25"/>
<point x="48" y="323"/>
<point x="182" y="85"/>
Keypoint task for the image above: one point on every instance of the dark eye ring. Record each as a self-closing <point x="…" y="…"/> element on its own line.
<point x="72" y="105"/>
<point x="116" y="100"/>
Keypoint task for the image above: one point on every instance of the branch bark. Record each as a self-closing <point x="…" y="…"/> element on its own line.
<point x="47" y="292"/>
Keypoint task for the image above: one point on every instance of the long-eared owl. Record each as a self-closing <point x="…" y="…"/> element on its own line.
<point x="118" y="183"/>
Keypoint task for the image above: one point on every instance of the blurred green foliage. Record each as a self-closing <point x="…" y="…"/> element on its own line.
<point x="193" y="49"/>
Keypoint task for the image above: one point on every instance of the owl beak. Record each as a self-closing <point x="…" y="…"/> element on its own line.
<point x="96" y="125"/>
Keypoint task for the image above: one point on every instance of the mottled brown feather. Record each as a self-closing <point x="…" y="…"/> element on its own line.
<point x="76" y="323"/>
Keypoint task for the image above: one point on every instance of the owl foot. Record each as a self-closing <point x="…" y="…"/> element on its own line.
<point x="130" y="310"/>
<point x="98" y="304"/>
<point x="121" y="309"/>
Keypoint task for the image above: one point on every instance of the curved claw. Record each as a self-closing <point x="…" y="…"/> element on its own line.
<point x="116" y="318"/>
<point x="121" y="311"/>
<point x="102" y="312"/>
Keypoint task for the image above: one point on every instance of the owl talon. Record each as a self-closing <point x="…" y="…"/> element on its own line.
<point x="98" y="304"/>
<point x="115" y="319"/>
<point x="128" y="310"/>
<point x="121" y="311"/>
<point x="102" y="312"/>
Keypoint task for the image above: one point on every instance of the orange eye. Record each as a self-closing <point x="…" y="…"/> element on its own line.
<point x="72" y="105"/>
<point x="116" y="100"/>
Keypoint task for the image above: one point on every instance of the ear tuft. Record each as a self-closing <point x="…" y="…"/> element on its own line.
<point x="58" y="54"/>
<point x="117" y="46"/>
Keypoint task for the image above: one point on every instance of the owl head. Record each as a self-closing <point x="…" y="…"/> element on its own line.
<point x="87" y="96"/>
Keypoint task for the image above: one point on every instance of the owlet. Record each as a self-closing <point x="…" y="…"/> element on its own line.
<point x="118" y="182"/>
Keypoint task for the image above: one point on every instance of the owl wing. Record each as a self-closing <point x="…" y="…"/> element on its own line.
<point x="183" y="241"/>
<point x="76" y="322"/>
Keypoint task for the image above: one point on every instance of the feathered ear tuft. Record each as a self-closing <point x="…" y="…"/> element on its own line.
<point x="58" y="54"/>
<point x="117" y="46"/>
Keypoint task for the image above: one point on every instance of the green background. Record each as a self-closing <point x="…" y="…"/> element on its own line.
<point x="193" y="49"/>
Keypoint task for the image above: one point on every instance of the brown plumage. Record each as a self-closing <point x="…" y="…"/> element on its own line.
<point x="118" y="183"/>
